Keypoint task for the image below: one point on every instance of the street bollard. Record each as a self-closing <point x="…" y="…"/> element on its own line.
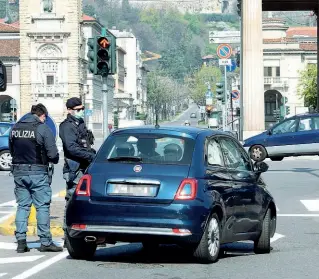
<point x="33" y="216"/>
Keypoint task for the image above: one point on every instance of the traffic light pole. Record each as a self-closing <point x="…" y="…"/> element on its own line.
<point x="105" y="107"/>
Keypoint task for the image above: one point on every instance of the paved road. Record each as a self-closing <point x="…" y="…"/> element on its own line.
<point x="295" y="187"/>
<point x="186" y="116"/>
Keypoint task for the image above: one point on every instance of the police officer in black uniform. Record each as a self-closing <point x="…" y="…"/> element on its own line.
<point x="77" y="141"/>
<point x="32" y="146"/>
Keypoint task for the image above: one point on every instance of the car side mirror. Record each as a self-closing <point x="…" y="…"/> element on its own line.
<point x="260" y="167"/>
<point x="269" y="132"/>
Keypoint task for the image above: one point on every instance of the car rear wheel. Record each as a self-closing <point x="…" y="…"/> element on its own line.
<point x="258" y="153"/>
<point x="208" y="249"/>
<point x="262" y="245"/>
<point x="79" y="249"/>
<point x="5" y="160"/>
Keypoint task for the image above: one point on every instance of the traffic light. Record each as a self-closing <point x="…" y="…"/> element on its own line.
<point x="238" y="112"/>
<point x="220" y="92"/>
<point x="209" y="110"/>
<point x="287" y="110"/>
<point x="284" y="100"/>
<point x="239" y="7"/>
<point x="103" y="54"/>
<point x="238" y="59"/>
<point x="92" y="55"/>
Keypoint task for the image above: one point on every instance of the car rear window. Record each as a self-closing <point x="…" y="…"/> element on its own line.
<point x="152" y="149"/>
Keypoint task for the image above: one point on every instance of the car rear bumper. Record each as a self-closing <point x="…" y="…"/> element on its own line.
<point x="171" y="223"/>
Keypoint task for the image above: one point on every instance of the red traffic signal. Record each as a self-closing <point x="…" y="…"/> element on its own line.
<point x="103" y="42"/>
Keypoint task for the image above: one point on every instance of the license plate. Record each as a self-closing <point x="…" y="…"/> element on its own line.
<point x="131" y="190"/>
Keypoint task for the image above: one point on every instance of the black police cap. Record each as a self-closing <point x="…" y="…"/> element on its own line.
<point x="73" y="102"/>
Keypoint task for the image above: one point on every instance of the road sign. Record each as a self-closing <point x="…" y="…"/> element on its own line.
<point x="224" y="37"/>
<point x="224" y="51"/>
<point x="232" y="67"/>
<point x="224" y="62"/>
<point x="222" y="34"/>
<point x="209" y="94"/>
<point x="226" y="40"/>
<point x="202" y="109"/>
<point x="49" y="121"/>
<point x="235" y="95"/>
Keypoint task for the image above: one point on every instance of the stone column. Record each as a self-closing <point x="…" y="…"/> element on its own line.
<point x="253" y="75"/>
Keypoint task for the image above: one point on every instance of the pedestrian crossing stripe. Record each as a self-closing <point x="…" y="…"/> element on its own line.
<point x="311" y="205"/>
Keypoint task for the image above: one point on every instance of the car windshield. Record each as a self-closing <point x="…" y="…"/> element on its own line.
<point x="148" y="149"/>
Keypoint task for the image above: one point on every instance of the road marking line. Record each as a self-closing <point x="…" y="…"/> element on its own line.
<point x="10" y="203"/>
<point x="298" y="215"/>
<point x="6" y="217"/>
<point x="25" y="259"/>
<point x="276" y="237"/>
<point x="32" y="245"/>
<point x="6" y="212"/>
<point x="311" y="205"/>
<point x="42" y="266"/>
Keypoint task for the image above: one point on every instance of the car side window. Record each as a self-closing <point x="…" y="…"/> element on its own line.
<point x="288" y="126"/>
<point x="305" y="124"/>
<point x="235" y="158"/>
<point x="214" y="153"/>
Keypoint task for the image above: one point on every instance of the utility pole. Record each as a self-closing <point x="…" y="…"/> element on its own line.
<point x="105" y="108"/>
<point x="226" y="101"/>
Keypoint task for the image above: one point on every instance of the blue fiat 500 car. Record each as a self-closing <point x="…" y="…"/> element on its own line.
<point x="188" y="186"/>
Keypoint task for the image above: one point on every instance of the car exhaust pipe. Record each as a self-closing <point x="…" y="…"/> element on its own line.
<point x="90" y="239"/>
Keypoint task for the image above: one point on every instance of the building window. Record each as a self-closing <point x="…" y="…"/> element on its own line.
<point x="277" y="71"/>
<point x="267" y="71"/>
<point x="50" y="80"/>
<point x="9" y="74"/>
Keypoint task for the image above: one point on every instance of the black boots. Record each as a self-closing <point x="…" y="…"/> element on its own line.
<point x="51" y="248"/>
<point x="22" y="246"/>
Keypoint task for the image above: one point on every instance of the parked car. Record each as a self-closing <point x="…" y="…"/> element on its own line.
<point x="5" y="156"/>
<point x="295" y="136"/>
<point x="193" y="115"/>
<point x="181" y="185"/>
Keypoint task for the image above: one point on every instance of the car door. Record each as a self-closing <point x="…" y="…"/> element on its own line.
<point x="217" y="179"/>
<point x="282" y="138"/>
<point x="307" y="135"/>
<point x="247" y="195"/>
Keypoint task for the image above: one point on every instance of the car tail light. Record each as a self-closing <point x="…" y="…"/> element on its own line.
<point x="187" y="190"/>
<point x="78" y="227"/>
<point x="84" y="186"/>
<point x="181" y="231"/>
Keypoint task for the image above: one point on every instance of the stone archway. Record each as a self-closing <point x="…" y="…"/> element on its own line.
<point x="8" y="109"/>
<point x="272" y="102"/>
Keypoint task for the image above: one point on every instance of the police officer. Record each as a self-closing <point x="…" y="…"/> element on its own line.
<point x="32" y="146"/>
<point x="77" y="141"/>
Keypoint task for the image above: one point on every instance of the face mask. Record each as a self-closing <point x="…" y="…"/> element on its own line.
<point x="79" y="114"/>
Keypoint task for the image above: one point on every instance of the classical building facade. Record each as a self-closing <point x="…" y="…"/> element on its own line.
<point x="52" y="51"/>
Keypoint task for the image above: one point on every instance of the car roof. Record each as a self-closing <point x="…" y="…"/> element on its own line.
<point x="304" y="114"/>
<point x="193" y="131"/>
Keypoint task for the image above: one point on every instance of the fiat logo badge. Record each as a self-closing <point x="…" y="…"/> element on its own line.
<point x="137" y="168"/>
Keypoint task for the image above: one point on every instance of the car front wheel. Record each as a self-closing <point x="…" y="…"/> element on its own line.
<point x="262" y="245"/>
<point x="208" y="249"/>
<point x="258" y="153"/>
<point x="79" y="249"/>
<point x="5" y="160"/>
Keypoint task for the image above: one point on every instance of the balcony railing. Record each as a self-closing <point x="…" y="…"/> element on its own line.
<point x="123" y="96"/>
<point x="43" y="89"/>
<point x="276" y="81"/>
